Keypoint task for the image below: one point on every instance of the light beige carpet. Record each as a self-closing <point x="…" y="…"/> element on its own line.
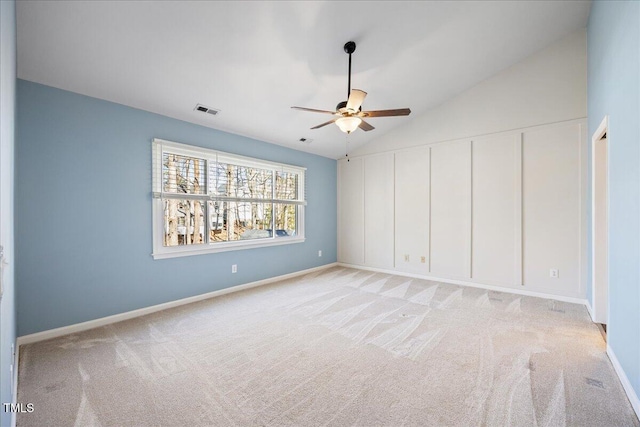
<point x="338" y="347"/>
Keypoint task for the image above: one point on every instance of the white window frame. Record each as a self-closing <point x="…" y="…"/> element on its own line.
<point x="159" y="146"/>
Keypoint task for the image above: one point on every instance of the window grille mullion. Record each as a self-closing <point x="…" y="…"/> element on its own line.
<point x="180" y="196"/>
<point x="274" y="188"/>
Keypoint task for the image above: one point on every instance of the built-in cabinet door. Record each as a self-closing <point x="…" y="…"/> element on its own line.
<point x="378" y="211"/>
<point x="412" y="210"/>
<point x="451" y="210"/>
<point x="351" y="211"/>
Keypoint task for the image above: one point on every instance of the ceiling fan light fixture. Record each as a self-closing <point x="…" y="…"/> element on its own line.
<point x="348" y="124"/>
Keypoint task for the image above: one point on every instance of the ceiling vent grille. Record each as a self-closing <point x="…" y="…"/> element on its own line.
<point x="306" y="140"/>
<point x="205" y="109"/>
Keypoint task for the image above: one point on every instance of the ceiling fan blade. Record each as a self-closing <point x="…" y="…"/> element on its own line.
<point x="324" y="124"/>
<point x="365" y="126"/>
<point x="356" y="97"/>
<point x="386" y="113"/>
<point x="313" y="110"/>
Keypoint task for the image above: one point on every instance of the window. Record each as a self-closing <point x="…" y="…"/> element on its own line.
<point x="208" y="201"/>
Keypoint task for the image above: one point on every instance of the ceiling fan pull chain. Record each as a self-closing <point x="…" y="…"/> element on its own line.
<point x="346" y="147"/>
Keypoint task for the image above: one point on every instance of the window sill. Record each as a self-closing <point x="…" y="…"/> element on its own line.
<point x="213" y="248"/>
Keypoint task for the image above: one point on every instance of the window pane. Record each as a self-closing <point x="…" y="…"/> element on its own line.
<point x="286" y="220"/>
<point x="219" y="176"/>
<point x="286" y="186"/>
<point x="217" y="229"/>
<point x="181" y="174"/>
<point x="239" y="221"/>
<point x="183" y="222"/>
<point x="257" y="183"/>
<point x="240" y="181"/>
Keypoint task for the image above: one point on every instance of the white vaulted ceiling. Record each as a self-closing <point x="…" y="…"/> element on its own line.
<point x="254" y="60"/>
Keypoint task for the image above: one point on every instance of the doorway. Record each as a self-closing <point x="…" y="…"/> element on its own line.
<point x="600" y="223"/>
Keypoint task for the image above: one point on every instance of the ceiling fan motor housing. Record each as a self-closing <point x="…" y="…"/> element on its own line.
<point x="341" y="107"/>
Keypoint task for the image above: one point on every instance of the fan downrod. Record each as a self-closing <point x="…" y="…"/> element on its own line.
<point x="349" y="47"/>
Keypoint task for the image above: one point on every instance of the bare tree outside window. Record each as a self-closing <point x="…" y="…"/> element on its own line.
<point x="286" y="189"/>
<point x="183" y="217"/>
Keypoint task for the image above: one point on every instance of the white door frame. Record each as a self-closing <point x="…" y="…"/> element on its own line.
<point x="599" y="291"/>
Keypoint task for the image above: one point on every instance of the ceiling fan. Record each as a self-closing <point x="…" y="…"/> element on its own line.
<point x="349" y="114"/>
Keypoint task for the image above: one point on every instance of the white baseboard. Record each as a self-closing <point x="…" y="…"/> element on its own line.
<point x="631" y="394"/>
<point x="471" y="284"/>
<point x="79" y="327"/>
<point x="590" y="310"/>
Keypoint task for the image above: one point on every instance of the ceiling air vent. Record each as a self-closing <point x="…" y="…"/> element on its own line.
<point x="306" y="140"/>
<point x="207" y="110"/>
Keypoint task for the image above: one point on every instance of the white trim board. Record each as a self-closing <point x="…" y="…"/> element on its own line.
<point x="14" y="386"/>
<point x="96" y="323"/>
<point x="577" y="120"/>
<point x="590" y="310"/>
<point x="596" y="315"/>
<point x="470" y="284"/>
<point x="631" y="394"/>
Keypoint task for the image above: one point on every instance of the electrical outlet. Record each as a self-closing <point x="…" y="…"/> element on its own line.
<point x="319" y="253"/>
<point x="554" y="273"/>
<point x="234" y="268"/>
<point x="423" y="259"/>
<point x="406" y="258"/>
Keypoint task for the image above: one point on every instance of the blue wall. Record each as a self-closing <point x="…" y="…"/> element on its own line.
<point x="7" y="120"/>
<point x="613" y="39"/>
<point x="83" y="212"/>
